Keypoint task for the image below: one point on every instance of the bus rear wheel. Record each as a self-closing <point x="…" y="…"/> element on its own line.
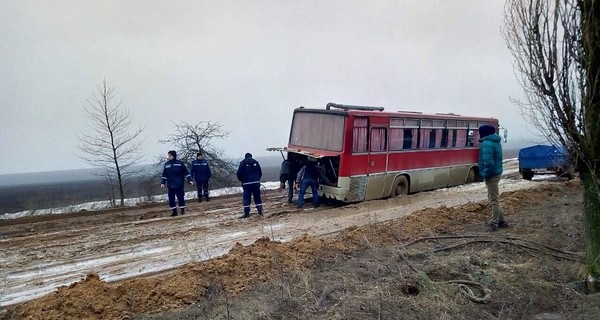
<point x="471" y="176"/>
<point x="401" y="188"/>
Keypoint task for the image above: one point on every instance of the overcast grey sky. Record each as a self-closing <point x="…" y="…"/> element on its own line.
<point x="245" y="64"/>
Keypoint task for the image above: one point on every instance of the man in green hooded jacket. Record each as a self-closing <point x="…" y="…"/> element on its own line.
<point x="490" y="168"/>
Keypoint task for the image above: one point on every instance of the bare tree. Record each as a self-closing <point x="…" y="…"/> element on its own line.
<point x="109" y="144"/>
<point x="189" y="139"/>
<point x="556" y="50"/>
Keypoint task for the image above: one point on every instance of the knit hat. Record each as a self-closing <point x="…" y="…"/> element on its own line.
<point x="173" y="153"/>
<point x="486" y="130"/>
<point x="248" y="155"/>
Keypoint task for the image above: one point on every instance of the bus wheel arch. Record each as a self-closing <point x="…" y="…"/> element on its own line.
<point x="401" y="186"/>
<point x="473" y="175"/>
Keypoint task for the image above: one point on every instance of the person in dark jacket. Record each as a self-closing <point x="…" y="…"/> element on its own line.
<point x="201" y="174"/>
<point x="249" y="174"/>
<point x="490" y="168"/>
<point x="174" y="174"/>
<point x="287" y="174"/>
<point x="309" y="176"/>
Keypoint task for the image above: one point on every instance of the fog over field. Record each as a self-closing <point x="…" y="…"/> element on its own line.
<point x="77" y="175"/>
<point x="245" y="65"/>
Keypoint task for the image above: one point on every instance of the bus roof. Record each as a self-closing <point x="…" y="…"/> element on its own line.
<point x="391" y="114"/>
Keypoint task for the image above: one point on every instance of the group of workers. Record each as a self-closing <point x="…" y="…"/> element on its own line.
<point x="175" y="172"/>
<point x="299" y="177"/>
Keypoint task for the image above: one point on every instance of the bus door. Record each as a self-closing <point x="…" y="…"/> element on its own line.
<point x="377" y="165"/>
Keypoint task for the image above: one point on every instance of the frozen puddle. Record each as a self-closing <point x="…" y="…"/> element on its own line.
<point x="41" y="279"/>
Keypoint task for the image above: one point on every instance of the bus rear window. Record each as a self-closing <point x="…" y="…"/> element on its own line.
<point x="318" y="131"/>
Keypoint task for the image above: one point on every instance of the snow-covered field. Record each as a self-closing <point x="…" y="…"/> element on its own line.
<point x="129" y="202"/>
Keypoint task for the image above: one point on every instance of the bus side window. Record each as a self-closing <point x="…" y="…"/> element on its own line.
<point x="378" y="139"/>
<point x="444" y="141"/>
<point x="423" y="138"/>
<point x="461" y="137"/>
<point x="453" y="144"/>
<point x="360" y="134"/>
<point x="470" y="138"/>
<point x="408" y="139"/>
<point x="432" y="138"/>
<point x="396" y="139"/>
<point x="476" y="138"/>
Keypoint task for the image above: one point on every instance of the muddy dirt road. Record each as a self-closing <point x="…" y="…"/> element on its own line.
<point x="39" y="254"/>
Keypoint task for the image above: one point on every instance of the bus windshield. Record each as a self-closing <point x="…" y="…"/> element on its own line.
<point x="318" y="130"/>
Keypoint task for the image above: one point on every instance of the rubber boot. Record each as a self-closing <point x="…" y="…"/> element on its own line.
<point x="173" y="212"/>
<point x="246" y="215"/>
<point x="182" y="211"/>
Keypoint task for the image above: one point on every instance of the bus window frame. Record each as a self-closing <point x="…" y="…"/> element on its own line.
<point x="458" y="125"/>
<point x="367" y="136"/>
<point x="432" y="125"/>
<point x="385" y="138"/>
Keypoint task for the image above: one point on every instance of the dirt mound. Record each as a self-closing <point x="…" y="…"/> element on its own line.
<point x="244" y="267"/>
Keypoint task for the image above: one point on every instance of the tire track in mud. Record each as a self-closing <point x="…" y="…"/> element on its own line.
<point x="42" y="260"/>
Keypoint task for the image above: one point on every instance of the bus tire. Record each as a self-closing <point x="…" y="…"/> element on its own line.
<point x="401" y="187"/>
<point x="471" y="176"/>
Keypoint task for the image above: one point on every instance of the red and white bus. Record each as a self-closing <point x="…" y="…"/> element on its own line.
<point x="368" y="153"/>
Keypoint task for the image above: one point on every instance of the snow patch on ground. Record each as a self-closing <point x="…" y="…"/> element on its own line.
<point x="129" y="202"/>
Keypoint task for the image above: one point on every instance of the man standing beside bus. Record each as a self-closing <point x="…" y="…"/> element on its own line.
<point x="490" y="168"/>
<point x="287" y="174"/>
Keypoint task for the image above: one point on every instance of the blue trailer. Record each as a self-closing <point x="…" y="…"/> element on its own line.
<point x="544" y="158"/>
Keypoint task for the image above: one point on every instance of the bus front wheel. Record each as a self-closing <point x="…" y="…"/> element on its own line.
<point x="401" y="188"/>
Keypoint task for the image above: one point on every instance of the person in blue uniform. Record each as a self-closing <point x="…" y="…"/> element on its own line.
<point x="174" y="174"/>
<point x="201" y="174"/>
<point x="309" y="176"/>
<point x="287" y="174"/>
<point x="249" y="174"/>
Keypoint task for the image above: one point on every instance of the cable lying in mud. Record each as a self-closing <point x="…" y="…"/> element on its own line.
<point x="566" y="255"/>
<point x="463" y="286"/>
